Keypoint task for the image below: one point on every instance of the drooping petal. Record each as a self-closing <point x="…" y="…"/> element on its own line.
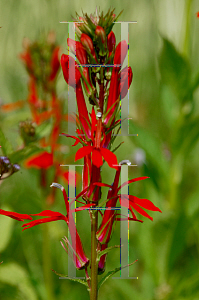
<point x="110" y="157"/>
<point x="132" y="180"/>
<point x="14" y="215"/>
<point x="145" y="203"/>
<point x="141" y="211"/>
<point x="83" y="152"/>
<point x="42" y="221"/>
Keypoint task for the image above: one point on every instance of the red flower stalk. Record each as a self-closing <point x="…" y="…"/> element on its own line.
<point x="14" y="215"/>
<point x="79" y="256"/>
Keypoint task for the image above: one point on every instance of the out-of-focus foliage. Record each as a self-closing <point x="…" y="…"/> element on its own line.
<point x="163" y="105"/>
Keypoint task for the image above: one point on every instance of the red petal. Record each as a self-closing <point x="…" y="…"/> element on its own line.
<point x="42" y="160"/>
<point x="141" y="211"/>
<point x="41" y="221"/>
<point x="83" y="207"/>
<point x="48" y="213"/>
<point x="132" y="180"/>
<point x="83" y="151"/>
<point x="145" y="203"/>
<point x="97" y="158"/>
<point x="14" y="215"/>
<point x="102" y="184"/>
<point x="110" y="157"/>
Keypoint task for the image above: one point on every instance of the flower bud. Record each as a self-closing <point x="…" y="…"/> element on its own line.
<point x="77" y="49"/>
<point x="88" y="45"/>
<point x="125" y="77"/>
<point x="100" y="36"/>
<point x="111" y="41"/>
<point x="66" y="62"/>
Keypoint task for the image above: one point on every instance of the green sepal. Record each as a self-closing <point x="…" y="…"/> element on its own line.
<point x="109" y="274"/>
<point x="100" y="253"/>
<point x="72" y="279"/>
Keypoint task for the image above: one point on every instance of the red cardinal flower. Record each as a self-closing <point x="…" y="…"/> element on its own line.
<point x="129" y="201"/>
<point x="79" y="255"/>
<point x="14" y="215"/>
<point x="97" y="150"/>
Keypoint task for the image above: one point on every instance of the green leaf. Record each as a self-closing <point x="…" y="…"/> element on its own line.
<point x="100" y="253"/>
<point x="175" y="70"/>
<point x="178" y="240"/>
<point x="71" y="278"/>
<point x="109" y="274"/>
<point x="6" y="224"/>
<point x="14" y="275"/>
<point x="6" y="147"/>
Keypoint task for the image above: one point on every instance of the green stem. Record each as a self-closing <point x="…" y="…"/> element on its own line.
<point x="94" y="264"/>
<point x="187" y="27"/>
<point x="47" y="263"/>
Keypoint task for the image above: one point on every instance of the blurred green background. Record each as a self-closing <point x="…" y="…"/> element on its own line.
<point x="164" y="107"/>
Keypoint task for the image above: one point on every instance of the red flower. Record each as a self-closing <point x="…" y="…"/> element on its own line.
<point x="14" y="215"/>
<point x="43" y="160"/>
<point x="79" y="255"/>
<point x="129" y="201"/>
<point x="97" y="149"/>
<point x="197" y="14"/>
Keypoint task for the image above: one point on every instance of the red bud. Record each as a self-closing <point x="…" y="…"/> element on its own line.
<point x="111" y="41"/>
<point x="120" y="53"/>
<point x="126" y="76"/>
<point x="65" y="62"/>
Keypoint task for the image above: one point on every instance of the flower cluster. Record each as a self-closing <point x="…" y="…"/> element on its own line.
<point x="97" y="74"/>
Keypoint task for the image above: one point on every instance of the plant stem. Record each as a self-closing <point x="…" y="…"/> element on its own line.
<point x="94" y="264"/>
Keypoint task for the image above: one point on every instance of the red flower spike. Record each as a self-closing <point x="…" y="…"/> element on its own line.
<point x="43" y="160"/>
<point x="14" y="215"/>
<point x="74" y="78"/>
<point x="111" y="41"/>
